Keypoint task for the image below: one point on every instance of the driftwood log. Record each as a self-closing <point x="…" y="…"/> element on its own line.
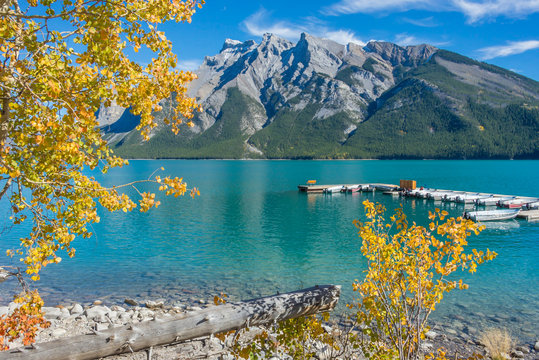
<point x="191" y="325"/>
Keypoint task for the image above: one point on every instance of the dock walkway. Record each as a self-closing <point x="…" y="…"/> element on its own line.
<point x="320" y="188"/>
<point x="529" y="215"/>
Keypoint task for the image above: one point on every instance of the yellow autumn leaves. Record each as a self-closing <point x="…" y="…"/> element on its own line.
<point x="407" y="275"/>
<point x="59" y="62"/>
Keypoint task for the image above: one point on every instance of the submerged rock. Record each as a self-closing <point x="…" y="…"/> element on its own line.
<point x="130" y="302"/>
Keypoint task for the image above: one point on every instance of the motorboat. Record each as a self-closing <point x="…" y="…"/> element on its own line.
<point x="491" y="215"/>
<point x="352" y="188"/>
<point x="493" y="200"/>
<point x="470" y="198"/>
<point x="333" y="189"/>
<point x="438" y="195"/>
<point x="516" y="203"/>
<point x="533" y="205"/>
<point x="452" y="197"/>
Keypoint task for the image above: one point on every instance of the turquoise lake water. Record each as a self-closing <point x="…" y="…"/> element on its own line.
<point x="252" y="233"/>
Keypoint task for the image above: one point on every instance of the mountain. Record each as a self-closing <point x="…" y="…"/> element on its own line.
<point x="320" y="99"/>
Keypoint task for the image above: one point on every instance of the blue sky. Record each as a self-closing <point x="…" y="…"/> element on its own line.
<point x="500" y="32"/>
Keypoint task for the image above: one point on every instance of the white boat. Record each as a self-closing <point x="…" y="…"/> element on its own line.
<point x="493" y="200"/>
<point x="333" y="189"/>
<point x="491" y="215"/>
<point x="368" y="188"/>
<point x="516" y="203"/>
<point x="452" y="197"/>
<point x="438" y="195"/>
<point x="385" y="187"/>
<point x="470" y="198"/>
<point x="533" y="205"/>
<point x="422" y="193"/>
<point x="352" y="188"/>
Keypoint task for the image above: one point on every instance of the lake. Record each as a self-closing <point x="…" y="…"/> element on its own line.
<point x="252" y="233"/>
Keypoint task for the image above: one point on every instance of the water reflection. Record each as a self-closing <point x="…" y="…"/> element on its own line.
<point x="252" y="233"/>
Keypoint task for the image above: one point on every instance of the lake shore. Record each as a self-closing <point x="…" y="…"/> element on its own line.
<point x="76" y="319"/>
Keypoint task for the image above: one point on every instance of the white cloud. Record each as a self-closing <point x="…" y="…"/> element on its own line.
<point x="405" y="40"/>
<point x="425" y="22"/>
<point x="474" y="10"/>
<point x="369" y="6"/>
<point x="477" y="10"/>
<point x="511" y="48"/>
<point x="189" y="65"/>
<point x="260" y="23"/>
<point x="257" y="25"/>
<point x="342" y="37"/>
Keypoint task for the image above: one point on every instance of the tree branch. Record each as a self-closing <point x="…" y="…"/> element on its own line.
<point x="6" y="186"/>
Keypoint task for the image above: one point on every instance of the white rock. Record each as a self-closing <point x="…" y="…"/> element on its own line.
<point x="51" y="312"/>
<point x="124" y="317"/>
<point x="113" y="315"/>
<point x="77" y="309"/>
<point x="536" y="347"/>
<point x="117" y="308"/>
<point x="431" y="335"/>
<point x="146" y="313"/>
<point x="155" y="304"/>
<point x="97" y="313"/>
<point x="59" y="332"/>
<point x="3" y="310"/>
<point x="64" y="314"/>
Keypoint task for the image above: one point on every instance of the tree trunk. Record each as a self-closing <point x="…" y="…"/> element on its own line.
<point x="212" y="320"/>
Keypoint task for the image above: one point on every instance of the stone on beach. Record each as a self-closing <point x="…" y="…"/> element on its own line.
<point x="157" y="304"/>
<point x="51" y="313"/>
<point x="77" y="309"/>
<point x="58" y="332"/>
<point x="97" y="313"/>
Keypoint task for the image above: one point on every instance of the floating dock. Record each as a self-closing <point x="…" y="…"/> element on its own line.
<point x="529" y="214"/>
<point x="308" y="188"/>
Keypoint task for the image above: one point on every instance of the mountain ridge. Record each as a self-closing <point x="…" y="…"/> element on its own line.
<point x="320" y="99"/>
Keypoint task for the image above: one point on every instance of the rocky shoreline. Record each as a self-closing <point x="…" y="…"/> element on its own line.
<point x="77" y="319"/>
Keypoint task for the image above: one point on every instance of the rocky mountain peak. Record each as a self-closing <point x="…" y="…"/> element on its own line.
<point x="396" y="54"/>
<point x="277" y="98"/>
<point x="236" y="45"/>
<point x="229" y="43"/>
